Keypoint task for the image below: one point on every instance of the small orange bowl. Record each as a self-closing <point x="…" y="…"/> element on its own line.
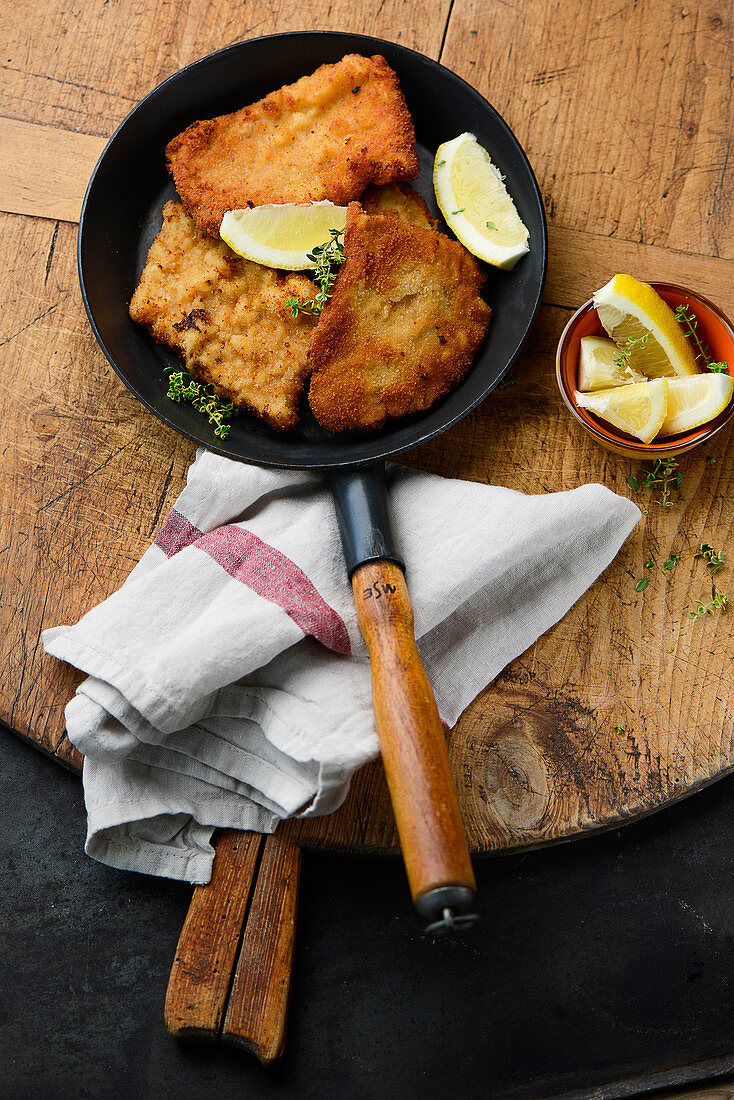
<point x="715" y="331"/>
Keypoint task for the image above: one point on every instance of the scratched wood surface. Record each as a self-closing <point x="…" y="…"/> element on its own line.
<point x="627" y="120"/>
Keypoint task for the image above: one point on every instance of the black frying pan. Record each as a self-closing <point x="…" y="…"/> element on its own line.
<point x="121" y="215"/>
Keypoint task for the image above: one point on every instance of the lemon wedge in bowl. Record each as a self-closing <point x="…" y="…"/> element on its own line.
<point x="601" y="365"/>
<point x="639" y="409"/>
<point x="473" y="199"/>
<point x="282" y="235"/>
<point x="644" y="327"/>
<point x="695" y="401"/>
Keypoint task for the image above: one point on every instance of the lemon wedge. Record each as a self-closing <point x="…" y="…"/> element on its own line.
<point x="600" y="365"/>
<point x="642" y="324"/>
<point x="281" y="235"/>
<point x="474" y="201"/>
<point x="694" y="401"/>
<point x="639" y="409"/>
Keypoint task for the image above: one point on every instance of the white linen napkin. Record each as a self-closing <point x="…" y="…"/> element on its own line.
<point x="228" y="683"/>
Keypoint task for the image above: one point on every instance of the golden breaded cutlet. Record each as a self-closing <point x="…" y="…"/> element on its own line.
<point x="227" y="317"/>
<point x="325" y="137"/>
<point x="401" y="328"/>
<point x="399" y="199"/>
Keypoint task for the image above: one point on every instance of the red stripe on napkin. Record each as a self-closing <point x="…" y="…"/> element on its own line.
<point x="265" y="570"/>
<point x="176" y="533"/>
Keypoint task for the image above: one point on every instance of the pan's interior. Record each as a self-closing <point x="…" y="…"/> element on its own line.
<point x="122" y="213"/>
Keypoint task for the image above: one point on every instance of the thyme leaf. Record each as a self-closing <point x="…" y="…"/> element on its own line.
<point x="714" y="560"/>
<point x="327" y="258"/>
<point x="718" y="602"/>
<point x="623" y="358"/>
<point x="182" y="387"/>
<point x="687" y="320"/>
<point x="664" y="476"/>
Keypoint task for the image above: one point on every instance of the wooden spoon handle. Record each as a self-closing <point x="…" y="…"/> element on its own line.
<point x="411" y="736"/>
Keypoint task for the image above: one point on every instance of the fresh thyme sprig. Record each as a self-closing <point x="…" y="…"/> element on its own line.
<point x="182" y="387"/>
<point x="689" y="324"/>
<point x="327" y="258"/>
<point x="714" y="560"/>
<point x="623" y="358"/>
<point x="664" y="476"/>
<point x="717" y="602"/>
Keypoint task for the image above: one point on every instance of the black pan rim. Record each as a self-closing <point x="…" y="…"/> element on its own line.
<point x="381" y="448"/>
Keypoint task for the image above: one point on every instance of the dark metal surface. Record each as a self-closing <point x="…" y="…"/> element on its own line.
<point x="602" y="968"/>
<point x="363" y="514"/>
<point x="121" y="214"/>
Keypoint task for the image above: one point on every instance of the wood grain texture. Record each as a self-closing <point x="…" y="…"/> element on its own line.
<point x="258" y="1003"/>
<point x="83" y="66"/>
<point x="625" y="111"/>
<point x="412" y="741"/>
<point x="201" y="976"/>
<point x="44" y="172"/>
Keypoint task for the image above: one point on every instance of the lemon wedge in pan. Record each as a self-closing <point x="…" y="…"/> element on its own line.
<point x="474" y="201"/>
<point x="282" y="235"/>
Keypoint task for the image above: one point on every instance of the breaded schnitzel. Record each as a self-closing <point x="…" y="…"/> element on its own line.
<point x="401" y="327"/>
<point x="399" y="199"/>
<point x="227" y="317"/>
<point x="325" y="137"/>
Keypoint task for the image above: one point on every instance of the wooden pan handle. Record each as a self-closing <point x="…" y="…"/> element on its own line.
<point x="412" y="739"/>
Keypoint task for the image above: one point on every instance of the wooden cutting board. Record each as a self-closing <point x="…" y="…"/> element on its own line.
<point x="625" y="705"/>
<point x="621" y="707"/>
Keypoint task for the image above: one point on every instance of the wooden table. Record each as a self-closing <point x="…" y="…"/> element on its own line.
<point x="625" y="115"/>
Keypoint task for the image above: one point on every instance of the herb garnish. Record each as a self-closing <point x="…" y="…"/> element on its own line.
<point x="672" y="560"/>
<point x="664" y="476"/>
<point x="491" y="225"/>
<point x="717" y="602"/>
<point x="183" y="387"/>
<point x="642" y="584"/>
<point x="623" y="359"/>
<point x="327" y="258"/>
<point x="459" y="211"/>
<point x="688" y="321"/>
<point x="714" y="561"/>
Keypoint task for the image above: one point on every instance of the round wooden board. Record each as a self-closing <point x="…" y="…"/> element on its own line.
<point x="624" y="705"/>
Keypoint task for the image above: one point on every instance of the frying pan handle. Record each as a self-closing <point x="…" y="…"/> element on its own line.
<point x="363" y="511"/>
<point x="409" y="729"/>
